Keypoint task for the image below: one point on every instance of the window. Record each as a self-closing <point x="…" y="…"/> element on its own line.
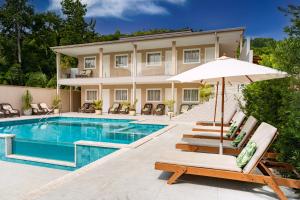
<point x="209" y="54"/>
<point x="191" y="56"/>
<point x="121" y="61"/>
<point x="121" y="95"/>
<point x="153" y="95"/>
<point x="154" y="59"/>
<point x="91" y="95"/>
<point x="190" y="95"/>
<point x="89" y="62"/>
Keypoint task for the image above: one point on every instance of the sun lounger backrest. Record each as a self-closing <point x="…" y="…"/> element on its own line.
<point x="230" y="116"/>
<point x="239" y="119"/>
<point x="263" y="137"/>
<point x="248" y="128"/>
<point x="44" y="106"/>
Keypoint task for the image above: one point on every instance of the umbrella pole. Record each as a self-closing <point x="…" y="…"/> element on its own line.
<point x="216" y="102"/>
<point x="222" y="116"/>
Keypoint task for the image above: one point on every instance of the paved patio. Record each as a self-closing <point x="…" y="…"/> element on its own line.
<point x="130" y="174"/>
<point x="126" y="174"/>
<point x="19" y="179"/>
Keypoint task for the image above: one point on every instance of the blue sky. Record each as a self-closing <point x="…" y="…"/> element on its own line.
<point x="260" y="17"/>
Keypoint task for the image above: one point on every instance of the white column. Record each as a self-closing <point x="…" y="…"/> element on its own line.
<point x="134" y="66"/>
<point x="134" y="60"/>
<point x="172" y="91"/>
<point x="58" y="55"/>
<point x="133" y="92"/>
<point x="174" y="58"/>
<point x="100" y="62"/>
<point x="217" y="46"/>
<point x="70" y="98"/>
<point x="100" y="91"/>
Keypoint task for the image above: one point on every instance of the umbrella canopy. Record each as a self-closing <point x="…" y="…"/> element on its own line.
<point x="235" y="71"/>
<point x="225" y="69"/>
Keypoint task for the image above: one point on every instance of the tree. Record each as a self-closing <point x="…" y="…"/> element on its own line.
<point x="36" y="79"/>
<point x="15" y="20"/>
<point x="75" y="29"/>
<point x="293" y="12"/>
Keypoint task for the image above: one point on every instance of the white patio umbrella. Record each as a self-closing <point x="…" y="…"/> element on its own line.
<point x="228" y="70"/>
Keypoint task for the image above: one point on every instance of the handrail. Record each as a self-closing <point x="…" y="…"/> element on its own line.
<point x="46" y="116"/>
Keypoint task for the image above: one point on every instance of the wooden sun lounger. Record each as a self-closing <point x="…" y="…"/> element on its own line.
<point x="224" y="166"/>
<point x="214" y="133"/>
<point x="218" y="123"/>
<point x="239" y="119"/>
<point x="211" y="144"/>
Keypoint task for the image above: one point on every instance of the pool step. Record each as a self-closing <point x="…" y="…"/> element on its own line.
<point x="42" y="160"/>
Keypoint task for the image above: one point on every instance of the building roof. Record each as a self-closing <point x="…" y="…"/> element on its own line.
<point x="158" y="41"/>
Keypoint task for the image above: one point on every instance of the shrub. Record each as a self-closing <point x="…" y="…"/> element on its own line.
<point x="36" y="79"/>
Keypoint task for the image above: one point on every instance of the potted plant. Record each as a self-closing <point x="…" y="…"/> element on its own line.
<point x="132" y="109"/>
<point x="205" y="92"/>
<point x="56" y="104"/>
<point x="27" y="100"/>
<point x="170" y="105"/>
<point x="98" y="107"/>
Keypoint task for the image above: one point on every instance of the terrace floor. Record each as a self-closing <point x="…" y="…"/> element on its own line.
<point x="126" y="174"/>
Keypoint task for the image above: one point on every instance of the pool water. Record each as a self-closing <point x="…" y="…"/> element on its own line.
<point x="54" y="138"/>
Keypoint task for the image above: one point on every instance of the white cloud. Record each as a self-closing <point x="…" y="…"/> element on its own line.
<point x="121" y="8"/>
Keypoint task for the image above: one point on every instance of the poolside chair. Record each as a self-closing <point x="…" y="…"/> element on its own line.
<point x="87" y="108"/>
<point x="2" y="115"/>
<point x="228" y="166"/>
<point x="36" y="109"/>
<point x="210" y="144"/>
<point x="84" y="73"/>
<point x="213" y="130"/>
<point x="160" y="109"/>
<point x="9" y="111"/>
<point x="124" y="109"/>
<point x="45" y="108"/>
<point x="184" y="108"/>
<point x="147" y="110"/>
<point x="114" y="109"/>
<point x="227" y="121"/>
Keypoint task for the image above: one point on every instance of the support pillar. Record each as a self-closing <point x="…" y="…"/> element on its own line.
<point x="174" y="58"/>
<point x="58" y="55"/>
<point x="100" y="62"/>
<point x="133" y="93"/>
<point x="217" y="46"/>
<point x="100" y="86"/>
<point x="70" y="90"/>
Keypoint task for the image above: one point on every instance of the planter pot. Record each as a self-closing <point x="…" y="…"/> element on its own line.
<point x="27" y="112"/>
<point x="56" y="111"/>
<point x="132" y="112"/>
<point x="98" y="112"/>
<point x="171" y="114"/>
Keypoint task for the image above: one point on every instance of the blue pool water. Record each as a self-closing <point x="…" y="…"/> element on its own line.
<point x="54" y="138"/>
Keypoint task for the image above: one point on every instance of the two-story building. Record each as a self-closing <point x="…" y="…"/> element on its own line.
<point x="138" y="67"/>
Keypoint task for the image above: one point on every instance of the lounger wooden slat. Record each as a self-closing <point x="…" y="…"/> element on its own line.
<point x="205" y="165"/>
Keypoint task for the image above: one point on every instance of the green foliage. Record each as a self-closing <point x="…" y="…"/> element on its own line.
<point x="170" y="104"/>
<point x="205" y="92"/>
<point x="68" y="62"/>
<point x="133" y="106"/>
<point x="52" y="82"/>
<point x="56" y="102"/>
<point x="98" y="104"/>
<point x="293" y="12"/>
<point x="14" y="75"/>
<point x="26" y="100"/>
<point x="36" y="79"/>
<point x="277" y="101"/>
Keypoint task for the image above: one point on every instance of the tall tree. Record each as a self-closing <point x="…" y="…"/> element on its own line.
<point x="76" y="30"/>
<point x="15" y="21"/>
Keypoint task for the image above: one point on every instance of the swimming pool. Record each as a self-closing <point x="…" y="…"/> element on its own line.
<point x="55" y="137"/>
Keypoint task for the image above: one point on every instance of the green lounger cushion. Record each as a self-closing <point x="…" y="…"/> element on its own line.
<point x="232" y="130"/>
<point x="245" y="156"/>
<point x="238" y="139"/>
